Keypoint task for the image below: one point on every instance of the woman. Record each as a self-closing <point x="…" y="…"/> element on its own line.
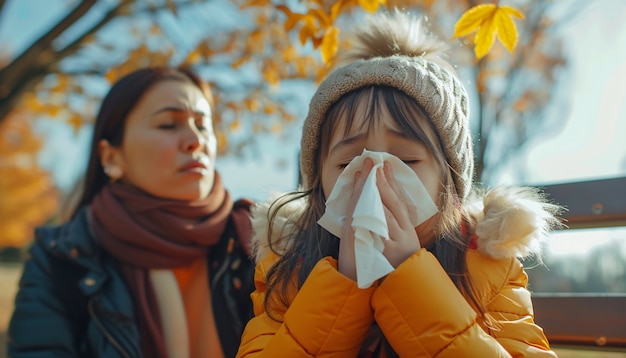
<point x="154" y="260"/>
<point x="387" y="250"/>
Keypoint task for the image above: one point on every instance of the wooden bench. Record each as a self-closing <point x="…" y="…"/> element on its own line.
<point x="594" y="321"/>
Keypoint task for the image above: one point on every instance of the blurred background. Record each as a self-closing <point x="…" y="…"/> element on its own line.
<point x="554" y="111"/>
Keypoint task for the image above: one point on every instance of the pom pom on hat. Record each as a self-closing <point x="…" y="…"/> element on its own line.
<point x="395" y="50"/>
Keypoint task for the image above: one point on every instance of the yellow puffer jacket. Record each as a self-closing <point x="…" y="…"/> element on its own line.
<point x="417" y="307"/>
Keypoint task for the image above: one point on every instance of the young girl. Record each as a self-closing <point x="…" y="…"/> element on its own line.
<point x="456" y="287"/>
<point x="155" y="260"/>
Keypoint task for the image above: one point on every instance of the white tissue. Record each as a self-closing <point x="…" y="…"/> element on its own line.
<point x="368" y="221"/>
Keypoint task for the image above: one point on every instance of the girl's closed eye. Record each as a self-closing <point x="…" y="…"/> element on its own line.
<point x="411" y="161"/>
<point x="168" y="125"/>
<point x="344" y="163"/>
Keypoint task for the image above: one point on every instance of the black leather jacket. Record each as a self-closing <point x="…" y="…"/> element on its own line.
<point x="73" y="302"/>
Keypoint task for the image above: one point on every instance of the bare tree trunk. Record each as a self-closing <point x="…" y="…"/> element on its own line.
<point x="40" y="59"/>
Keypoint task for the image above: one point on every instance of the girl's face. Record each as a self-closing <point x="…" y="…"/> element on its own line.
<point x="169" y="145"/>
<point x="381" y="135"/>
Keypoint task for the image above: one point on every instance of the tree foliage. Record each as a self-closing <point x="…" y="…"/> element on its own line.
<point x="27" y="193"/>
<point x="255" y="53"/>
<point x="511" y="90"/>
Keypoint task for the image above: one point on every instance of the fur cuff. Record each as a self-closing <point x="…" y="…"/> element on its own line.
<point x="514" y="222"/>
<point x="284" y="222"/>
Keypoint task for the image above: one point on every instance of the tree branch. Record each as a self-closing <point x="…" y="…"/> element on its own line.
<point x="72" y="47"/>
<point x="40" y="51"/>
<point x="40" y="59"/>
<point x="2" y="2"/>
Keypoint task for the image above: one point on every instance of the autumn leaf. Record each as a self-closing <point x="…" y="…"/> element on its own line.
<point x="489" y="21"/>
<point x="240" y="61"/>
<point x="472" y="19"/>
<point x="370" y="5"/>
<point x="252" y="3"/>
<point x="321" y="16"/>
<point x="252" y="104"/>
<point x="28" y="194"/>
<point x="111" y="76"/>
<point x="269" y="109"/>
<point x="76" y="122"/>
<point x="484" y="38"/>
<point x="193" y="57"/>
<point x="330" y="43"/>
<point x="235" y="125"/>
<point x="308" y="29"/>
<point x="507" y="32"/>
<point x="292" y="17"/>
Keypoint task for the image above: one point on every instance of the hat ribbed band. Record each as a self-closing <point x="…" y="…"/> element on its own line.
<point x="439" y="93"/>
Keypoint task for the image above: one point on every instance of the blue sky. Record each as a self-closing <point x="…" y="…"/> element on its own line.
<point x="592" y="143"/>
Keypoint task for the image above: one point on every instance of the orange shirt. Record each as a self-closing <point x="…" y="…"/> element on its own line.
<point x="193" y="281"/>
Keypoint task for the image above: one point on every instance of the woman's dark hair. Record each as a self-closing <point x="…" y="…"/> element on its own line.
<point x="111" y="119"/>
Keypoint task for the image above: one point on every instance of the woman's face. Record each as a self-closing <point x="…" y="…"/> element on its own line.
<point x="383" y="136"/>
<point x="169" y="145"/>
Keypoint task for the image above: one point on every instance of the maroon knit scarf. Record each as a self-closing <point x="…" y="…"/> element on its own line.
<point x="145" y="232"/>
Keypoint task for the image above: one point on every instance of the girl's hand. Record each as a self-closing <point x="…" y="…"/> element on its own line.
<point x="403" y="241"/>
<point x="347" y="262"/>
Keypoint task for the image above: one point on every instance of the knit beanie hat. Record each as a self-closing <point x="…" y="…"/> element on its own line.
<point x="395" y="50"/>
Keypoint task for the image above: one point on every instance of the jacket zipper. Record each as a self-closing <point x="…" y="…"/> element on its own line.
<point x="220" y="272"/>
<point x="106" y="333"/>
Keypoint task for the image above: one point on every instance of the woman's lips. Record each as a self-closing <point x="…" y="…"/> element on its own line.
<point x="193" y="166"/>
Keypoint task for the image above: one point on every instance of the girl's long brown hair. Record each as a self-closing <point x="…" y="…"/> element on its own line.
<point x="311" y="243"/>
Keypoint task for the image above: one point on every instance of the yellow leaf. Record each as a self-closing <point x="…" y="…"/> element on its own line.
<point x="76" y="122"/>
<point x="232" y="106"/>
<point x="330" y="43"/>
<point x="261" y="20"/>
<point x="321" y="16"/>
<point x="254" y="3"/>
<point x="489" y="21"/>
<point x="288" y="117"/>
<point x="505" y="27"/>
<point x="335" y="9"/>
<point x="272" y="76"/>
<point x="512" y="12"/>
<point x="193" y="57"/>
<point x="289" y="54"/>
<point x="269" y="109"/>
<point x="292" y="17"/>
<point x="252" y="104"/>
<point x="484" y="38"/>
<point x="240" y="61"/>
<point x="308" y="29"/>
<point x="222" y="140"/>
<point x="370" y="5"/>
<point x="53" y="111"/>
<point x="473" y="18"/>
<point x="235" y="125"/>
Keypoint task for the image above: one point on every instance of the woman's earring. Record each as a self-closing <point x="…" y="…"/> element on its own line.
<point x="113" y="172"/>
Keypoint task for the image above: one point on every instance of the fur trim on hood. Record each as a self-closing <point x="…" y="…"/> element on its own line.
<point x="510" y="222"/>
